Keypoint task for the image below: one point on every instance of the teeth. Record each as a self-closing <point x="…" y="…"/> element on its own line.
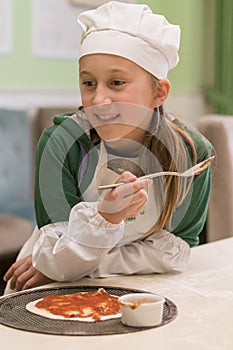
<point x="106" y="116"/>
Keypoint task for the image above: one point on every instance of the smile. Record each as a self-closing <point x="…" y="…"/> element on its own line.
<point x="106" y="117"/>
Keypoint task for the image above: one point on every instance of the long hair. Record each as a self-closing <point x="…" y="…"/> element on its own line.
<point x="174" y="149"/>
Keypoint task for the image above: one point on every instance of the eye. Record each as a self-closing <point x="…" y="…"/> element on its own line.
<point x="88" y="83"/>
<point x="117" y="82"/>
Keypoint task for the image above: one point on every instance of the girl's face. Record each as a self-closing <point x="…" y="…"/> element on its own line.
<point x="118" y="96"/>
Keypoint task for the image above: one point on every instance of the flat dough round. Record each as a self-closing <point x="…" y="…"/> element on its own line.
<point x="31" y="307"/>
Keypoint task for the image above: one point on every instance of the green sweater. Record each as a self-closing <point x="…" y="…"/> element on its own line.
<point x="58" y="183"/>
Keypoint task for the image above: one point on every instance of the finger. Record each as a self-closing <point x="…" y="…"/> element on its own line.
<point x="126" y="176"/>
<point x="131" y="188"/>
<point x="13" y="282"/>
<point x="139" y="199"/>
<point x="16" y="266"/>
<point x="8" y="275"/>
<point x="10" y="272"/>
<point x="36" y="280"/>
<point x="31" y="283"/>
<point x="124" y="191"/>
<point x="137" y="206"/>
<point x="21" y="267"/>
<point x="141" y="184"/>
<point x="23" y="278"/>
<point x="128" y="203"/>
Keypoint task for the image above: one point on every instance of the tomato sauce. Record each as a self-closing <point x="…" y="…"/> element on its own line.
<point x="83" y="305"/>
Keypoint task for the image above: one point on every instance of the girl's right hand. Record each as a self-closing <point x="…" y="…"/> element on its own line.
<point x="23" y="275"/>
<point x="124" y="201"/>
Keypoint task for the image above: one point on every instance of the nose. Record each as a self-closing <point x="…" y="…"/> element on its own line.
<point x="102" y="95"/>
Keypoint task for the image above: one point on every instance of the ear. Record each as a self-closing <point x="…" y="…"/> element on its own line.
<point x="161" y="92"/>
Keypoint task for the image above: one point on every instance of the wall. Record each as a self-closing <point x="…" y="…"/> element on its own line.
<point x="191" y="75"/>
<point x="22" y="70"/>
<point x="29" y="81"/>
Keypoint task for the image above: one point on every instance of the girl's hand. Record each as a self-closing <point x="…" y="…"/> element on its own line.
<point x="23" y="275"/>
<point x="124" y="201"/>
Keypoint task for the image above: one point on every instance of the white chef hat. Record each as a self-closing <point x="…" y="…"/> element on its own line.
<point x="131" y="31"/>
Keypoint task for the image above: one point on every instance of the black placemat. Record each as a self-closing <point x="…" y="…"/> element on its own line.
<point x="13" y="313"/>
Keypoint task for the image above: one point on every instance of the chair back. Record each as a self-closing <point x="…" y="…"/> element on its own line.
<point x="218" y="129"/>
<point x="15" y="159"/>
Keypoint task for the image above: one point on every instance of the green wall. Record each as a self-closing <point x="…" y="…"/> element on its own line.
<point x="22" y="70"/>
<point x="190" y="15"/>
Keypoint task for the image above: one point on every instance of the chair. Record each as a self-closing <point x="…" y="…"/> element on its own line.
<point x="16" y="203"/>
<point x="15" y="164"/>
<point x="219" y="130"/>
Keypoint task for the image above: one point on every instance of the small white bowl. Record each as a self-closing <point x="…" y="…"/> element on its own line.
<point x="141" y="309"/>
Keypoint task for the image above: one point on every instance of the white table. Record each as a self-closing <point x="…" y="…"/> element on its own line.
<point x="203" y="294"/>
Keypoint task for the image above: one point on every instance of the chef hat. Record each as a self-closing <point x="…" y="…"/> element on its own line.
<point x="131" y="31"/>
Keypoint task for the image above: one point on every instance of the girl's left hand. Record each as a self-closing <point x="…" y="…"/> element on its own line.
<point x="23" y="275"/>
<point x="124" y="201"/>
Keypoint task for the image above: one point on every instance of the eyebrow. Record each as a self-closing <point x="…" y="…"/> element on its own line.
<point x="112" y="70"/>
<point x="83" y="72"/>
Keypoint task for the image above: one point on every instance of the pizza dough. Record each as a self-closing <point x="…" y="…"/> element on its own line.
<point x="84" y="306"/>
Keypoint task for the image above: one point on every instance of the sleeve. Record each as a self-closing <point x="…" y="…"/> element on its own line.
<point x="55" y="179"/>
<point x="159" y="253"/>
<point x="67" y="251"/>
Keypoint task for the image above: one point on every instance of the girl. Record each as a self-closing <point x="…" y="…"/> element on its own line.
<point x="119" y="134"/>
